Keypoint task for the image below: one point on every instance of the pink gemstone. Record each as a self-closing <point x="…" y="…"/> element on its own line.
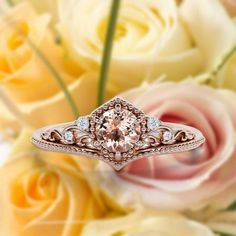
<point x="119" y="130"/>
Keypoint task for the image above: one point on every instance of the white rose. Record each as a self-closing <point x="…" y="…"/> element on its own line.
<point x="141" y="224"/>
<point x="44" y="193"/>
<point x="150" y="39"/>
<point x="214" y="32"/>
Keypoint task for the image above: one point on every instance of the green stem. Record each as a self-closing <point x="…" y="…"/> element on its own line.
<point x="57" y="77"/>
<point x="10" y="2"/>
<point x="232" y="207"/>
<point x="211" y="76"/>
<point x="53" y="71"/>
<point x="107" y="51"/>
<point x="224" y="61"/>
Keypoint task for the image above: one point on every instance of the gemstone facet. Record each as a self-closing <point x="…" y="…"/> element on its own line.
<point x="83" y="123"/>
<point x="167" y="136"/>
<point x="153" y="123"/>
<point x="68" y="135"/>
<point x="118" y="130"/>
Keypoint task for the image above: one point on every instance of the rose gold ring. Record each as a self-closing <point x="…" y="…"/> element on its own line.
<point x="118" y="133"/>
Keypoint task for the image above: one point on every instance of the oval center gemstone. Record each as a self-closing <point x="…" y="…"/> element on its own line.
<point x="119" y="130"/>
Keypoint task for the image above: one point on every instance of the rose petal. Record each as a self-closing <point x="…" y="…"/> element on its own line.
<point x="212" y="28"/>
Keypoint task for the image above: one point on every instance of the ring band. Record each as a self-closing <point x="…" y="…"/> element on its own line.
<point x="118" y="133"/>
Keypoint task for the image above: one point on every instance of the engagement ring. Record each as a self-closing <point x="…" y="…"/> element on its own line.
<point x="118" y="133"/>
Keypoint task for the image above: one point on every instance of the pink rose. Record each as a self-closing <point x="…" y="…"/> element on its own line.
<point x="184" y="180"/>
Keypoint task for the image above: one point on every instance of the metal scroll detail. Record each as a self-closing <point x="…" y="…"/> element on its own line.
<point x="87" y="134"/>
<point x="148" y="141"/>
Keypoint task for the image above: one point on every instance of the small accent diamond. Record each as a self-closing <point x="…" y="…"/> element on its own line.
<point x="153" y="123"/>
<point x="68" y="135"/>
<point x="167" y="135"/>
<point x="83" y="123"/>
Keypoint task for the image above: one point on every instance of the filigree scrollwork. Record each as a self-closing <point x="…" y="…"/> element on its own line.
<point x="52" y="135"/>
<point x="117" y="133"/>
<point x="183" y="136"/>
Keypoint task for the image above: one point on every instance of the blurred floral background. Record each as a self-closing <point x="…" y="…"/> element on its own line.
<point x="176" y="60"/>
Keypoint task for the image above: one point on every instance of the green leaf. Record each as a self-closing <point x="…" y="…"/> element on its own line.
<point x="232" y="207"/>
<point x="10" y="2"/>
<point x="107" y="51"/>
<point x="223" y="234"/>
<point x="57" y="77"/>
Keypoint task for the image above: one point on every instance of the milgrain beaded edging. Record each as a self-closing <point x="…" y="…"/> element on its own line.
<point x="118" y="133"/>
<point x="174" y="148"/>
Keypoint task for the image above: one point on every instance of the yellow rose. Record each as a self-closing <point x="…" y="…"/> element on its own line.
<point x="150" y="39"/>
<point x="141" y="224"/>
<point x="35" y="95"/>
<point x="7" y="119"/>
<point x="219" y="214"/>
<point x="4" y="5"/>
<point x="223" y="222"/>
<point x="44" y="194"/>
<point x="22" y="72"/>
<point x="56" y="109"/>
<point x="43" y="6"/>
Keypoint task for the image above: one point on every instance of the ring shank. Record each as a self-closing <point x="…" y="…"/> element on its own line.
<point x="198" y="139"/>
<point x="118" y="133"/>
